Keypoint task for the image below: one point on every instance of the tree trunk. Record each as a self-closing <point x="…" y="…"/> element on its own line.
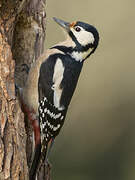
<point x="22" y="36"/>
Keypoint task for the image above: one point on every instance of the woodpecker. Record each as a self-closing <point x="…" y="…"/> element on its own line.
<point x="52" y="81"/>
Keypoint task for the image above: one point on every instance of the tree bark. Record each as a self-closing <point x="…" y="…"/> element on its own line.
<point x="22" y="36"/>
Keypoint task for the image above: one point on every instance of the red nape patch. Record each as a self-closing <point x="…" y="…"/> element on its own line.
<point x="72" y="24"/>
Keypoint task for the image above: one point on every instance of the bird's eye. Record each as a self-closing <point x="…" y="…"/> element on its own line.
<point x="77" y="29"/>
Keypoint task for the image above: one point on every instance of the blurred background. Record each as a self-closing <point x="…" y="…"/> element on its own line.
<point x="97" y="141"/>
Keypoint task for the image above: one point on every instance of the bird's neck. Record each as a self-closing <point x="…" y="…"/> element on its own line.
<point x="77" y="52"/>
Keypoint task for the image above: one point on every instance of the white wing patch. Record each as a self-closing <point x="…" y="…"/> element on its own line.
<point x="57" y="78"/>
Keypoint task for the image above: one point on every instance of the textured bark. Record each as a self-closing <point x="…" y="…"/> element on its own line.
<point x="13" y="164"/>
<point x="22" y="36"/>
<point x="29" y="37"/>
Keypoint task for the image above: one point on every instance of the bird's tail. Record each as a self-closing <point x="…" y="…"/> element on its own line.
<point x="39" y="159"/>
<point x="35" y="162"/>
<point x="43" y="152"/>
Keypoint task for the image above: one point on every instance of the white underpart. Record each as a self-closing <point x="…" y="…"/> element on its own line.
<point x="79" y="56"/>
<point x="83" y="37"/>
<point x="57" y="78"/>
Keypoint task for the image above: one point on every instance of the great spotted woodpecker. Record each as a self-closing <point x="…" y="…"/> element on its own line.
<point x="52" y="81"/>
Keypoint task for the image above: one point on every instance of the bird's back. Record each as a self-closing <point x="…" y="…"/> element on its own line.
<point x="30" y="91"/>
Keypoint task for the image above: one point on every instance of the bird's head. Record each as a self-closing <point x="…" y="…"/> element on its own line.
<point x="85" y="38"/>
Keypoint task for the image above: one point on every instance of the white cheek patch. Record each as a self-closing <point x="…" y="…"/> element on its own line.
<point x="83" y="37"/>
<point x="57" y="78"/>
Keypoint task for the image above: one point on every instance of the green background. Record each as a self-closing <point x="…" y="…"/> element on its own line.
<point x="97" y="141"/>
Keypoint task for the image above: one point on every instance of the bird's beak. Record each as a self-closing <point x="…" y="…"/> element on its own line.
<point x="62" y="23"/>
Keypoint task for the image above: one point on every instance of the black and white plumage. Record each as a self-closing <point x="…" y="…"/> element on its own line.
<point x="53" y="78"/>
<point x="55" y="93"/>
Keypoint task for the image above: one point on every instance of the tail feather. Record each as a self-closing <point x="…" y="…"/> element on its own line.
<point x="35" y="162"/>
<point x="39" y="159"/>
<point x="43" y="152"/>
